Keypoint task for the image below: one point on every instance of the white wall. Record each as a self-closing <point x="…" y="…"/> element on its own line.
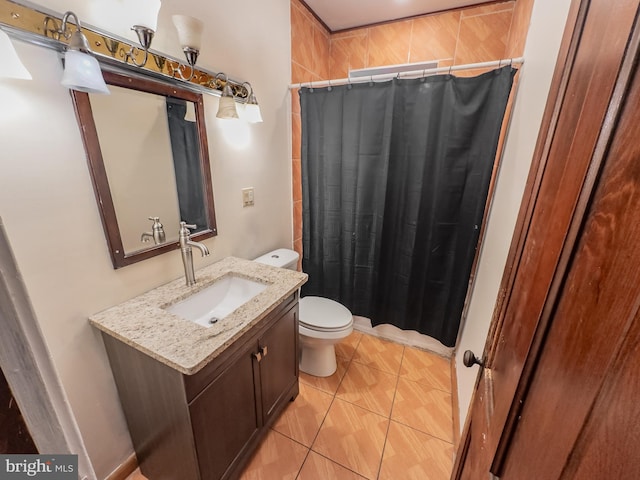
<point x="52" y="220"/>
<point x="543" y="42"/>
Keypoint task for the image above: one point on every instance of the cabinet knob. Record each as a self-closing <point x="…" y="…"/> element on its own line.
<point x="264" y="350"/>
<point x="257" y="356"/>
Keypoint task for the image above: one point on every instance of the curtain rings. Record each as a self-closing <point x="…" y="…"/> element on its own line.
<point x="329" y="88"/>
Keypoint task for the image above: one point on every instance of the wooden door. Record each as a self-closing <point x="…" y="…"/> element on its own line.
<point x="14" y="434"/>
<point x="569" y="299"/>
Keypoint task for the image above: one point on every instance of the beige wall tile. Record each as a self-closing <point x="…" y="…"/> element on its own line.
<point x="321" y="49"/>
<point x="295" y="100"/>
<point x="297" y="183"/>
<point x="519" y="28"/>
<point x="434" y="37"/>
<point x="296" y="136"/>
<point x="299" y="74"/>
<point x="485" y="9"/>
<point x="301" y="38"/>
<point x="389" y="44"/>
<point x="297" y="219"/>
<point x="348" y="53"/>
<point x="483" y="38"/>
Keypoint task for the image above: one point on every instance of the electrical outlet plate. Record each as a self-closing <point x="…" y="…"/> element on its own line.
<point x="247" y="197"/>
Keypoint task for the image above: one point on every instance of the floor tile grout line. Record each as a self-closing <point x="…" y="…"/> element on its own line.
<point x="338" y="463"/>
<point x="422" y="431"/>
<point x="386" y="436"/>
<point x="376" y="368"/>
<point x="333" y="399"/>
<point x="426" y="385"/>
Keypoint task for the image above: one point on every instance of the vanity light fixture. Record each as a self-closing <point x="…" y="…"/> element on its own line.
<point x="147" y="13"/>
<point x="11" y="66"/>
<point x="190" y="37"/>
<point x="81" y="69"/>
<point x="227" y="105"/>
<point x="251" y="111"/>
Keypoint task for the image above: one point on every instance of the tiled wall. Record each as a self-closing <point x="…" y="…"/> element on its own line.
<point x="477" y="34"/>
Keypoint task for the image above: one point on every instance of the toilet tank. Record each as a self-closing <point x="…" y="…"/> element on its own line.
<point x="282" y="258"/>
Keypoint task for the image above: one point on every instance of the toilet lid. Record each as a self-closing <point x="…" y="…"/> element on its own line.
<point x="322" y="314"/>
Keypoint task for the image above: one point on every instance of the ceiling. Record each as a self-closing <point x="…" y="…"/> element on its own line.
<point x="344" y="14"/>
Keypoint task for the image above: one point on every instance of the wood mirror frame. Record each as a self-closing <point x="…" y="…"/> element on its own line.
<point x="95" y="160"/>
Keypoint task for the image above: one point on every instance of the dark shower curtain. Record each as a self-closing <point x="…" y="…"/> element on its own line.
<point x="395" y="177"/>
<point x="185" y="147"/>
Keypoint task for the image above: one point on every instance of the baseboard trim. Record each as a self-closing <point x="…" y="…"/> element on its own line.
<point x="455" y="403"/>
<point x="125" y="469"/>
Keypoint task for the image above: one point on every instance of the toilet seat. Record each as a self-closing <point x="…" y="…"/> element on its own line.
<point x="324" y="315"/>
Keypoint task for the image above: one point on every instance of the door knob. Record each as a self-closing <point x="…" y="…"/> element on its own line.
<point x="469" y="359"/>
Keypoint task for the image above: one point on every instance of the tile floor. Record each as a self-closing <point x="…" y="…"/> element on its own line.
<point x="385" y="414"/>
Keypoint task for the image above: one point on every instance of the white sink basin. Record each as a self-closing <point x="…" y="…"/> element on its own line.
<point x="218" y="300"/>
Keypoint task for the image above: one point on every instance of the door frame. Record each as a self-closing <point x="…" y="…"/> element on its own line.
<point x="29" y="370"/>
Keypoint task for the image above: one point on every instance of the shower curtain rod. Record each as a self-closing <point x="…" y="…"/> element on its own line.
<point x="412" y="73"/>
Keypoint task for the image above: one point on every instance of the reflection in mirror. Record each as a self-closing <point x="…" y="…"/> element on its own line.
<point x="148" y="156"/>
<point x="136" y="148"/>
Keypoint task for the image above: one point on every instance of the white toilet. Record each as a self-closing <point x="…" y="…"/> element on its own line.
<point x="322" y="322"/>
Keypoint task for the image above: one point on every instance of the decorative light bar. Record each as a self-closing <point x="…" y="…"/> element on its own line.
<point x="30" y="25"/>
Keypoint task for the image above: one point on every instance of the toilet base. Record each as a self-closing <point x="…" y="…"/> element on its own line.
<point x="318" y="360"/>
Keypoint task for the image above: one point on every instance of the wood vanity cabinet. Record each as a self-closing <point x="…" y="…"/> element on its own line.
<point x="206" y="426"/>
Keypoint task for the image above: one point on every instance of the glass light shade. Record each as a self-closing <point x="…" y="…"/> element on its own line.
<point x="251" y="113"/>
<point x="143" y="12"/>
<point x="82" y="72"/>
<point x="190" y="112"/>
<point x="189" y="31"/>
<point x="11" y="66"/>
<point x="227" y="108"/>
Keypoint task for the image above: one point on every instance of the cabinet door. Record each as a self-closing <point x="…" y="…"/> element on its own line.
<point x="279" y="363"/>
<point x="224" y="416"/>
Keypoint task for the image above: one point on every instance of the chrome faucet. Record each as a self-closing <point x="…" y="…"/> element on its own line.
<point x="185" y="249"/>
<point x="156" y="234"/>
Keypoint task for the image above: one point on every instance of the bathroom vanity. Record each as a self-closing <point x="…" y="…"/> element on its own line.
<point x="198" y="399"/>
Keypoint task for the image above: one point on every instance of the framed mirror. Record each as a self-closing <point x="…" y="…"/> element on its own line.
<point x="148" y="156"/>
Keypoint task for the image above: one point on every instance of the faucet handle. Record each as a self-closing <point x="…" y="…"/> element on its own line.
<point x="184" y="230"/>
<point x="184" y="225"/>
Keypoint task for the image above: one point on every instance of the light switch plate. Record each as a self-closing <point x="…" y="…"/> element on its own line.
<point x="247" y="197"/>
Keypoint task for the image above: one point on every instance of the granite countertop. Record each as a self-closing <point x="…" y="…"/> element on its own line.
<point x="144" y="324"/>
